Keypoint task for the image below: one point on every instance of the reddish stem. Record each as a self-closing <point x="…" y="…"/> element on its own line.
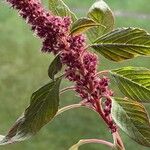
<point x="88" y="141"/>
<point x="117" y="139"/>
<point x="101" y="113"/>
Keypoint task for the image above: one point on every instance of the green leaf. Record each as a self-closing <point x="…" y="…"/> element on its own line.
<point x="54" y="67"/>
<point x="133" y="82"/>
<point x="42" y="109"/>
<point x="59" y="8"/>
<point x="133" y="119"/>
<point x="123" y="44"/>
<point x="102" y="14"/>
<point x="82" y="25"/>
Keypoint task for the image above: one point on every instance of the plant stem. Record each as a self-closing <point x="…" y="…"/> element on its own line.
<point x="87" y="141"/>
<point x="68" y="108"/>
<point x="102" y="72"/>
<point x="67" y="89"/>
<point x="101" y="113"/>
<point x="118" y="141"/>
<point x="116" y="137"/>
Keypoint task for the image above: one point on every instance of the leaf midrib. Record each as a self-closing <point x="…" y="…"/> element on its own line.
<point x="113" y="73"/>
<point x="120" y="44"/>
<point x="133" y="123"/>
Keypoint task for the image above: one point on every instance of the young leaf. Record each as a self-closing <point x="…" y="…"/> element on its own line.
<point x="82" y="25"/>
<point x="122" y="44"/>
<point x="133" y="119"/>
<point x="59" y="8"/>
<point x="102" y="14"/>
<point x="54" y="67"/>
<point x="42" y="109"/>
<point x="133" y="82"/>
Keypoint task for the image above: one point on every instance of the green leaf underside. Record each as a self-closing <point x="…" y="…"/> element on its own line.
<point x="54" y="67"/>
<point x="42" y="109"/>
<point x="59" y="8"/>
<point x="133" y="82"/>
<point x="82" y="25"/>
<point x="123" y="43"/>
<point x="102" y="14"/>
<point x="133" y="119"/>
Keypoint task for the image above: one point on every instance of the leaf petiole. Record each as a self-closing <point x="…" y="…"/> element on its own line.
<point x="103" y="72"/>
<point x="67" y="89"/>
<point x="68" y="108"/>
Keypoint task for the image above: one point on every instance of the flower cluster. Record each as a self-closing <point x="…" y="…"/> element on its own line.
<point x="48" y="27"/>
<point x="81" y="65"/>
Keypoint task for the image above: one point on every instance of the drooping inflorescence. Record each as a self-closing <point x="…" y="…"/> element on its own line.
<point x="48" y="27"/>
<point x="81" y="65"/>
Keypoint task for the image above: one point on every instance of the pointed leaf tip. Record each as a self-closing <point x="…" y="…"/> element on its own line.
<point x="54" y="67"/>
<point x="102" y="14"/>
<point x="59" y="8"/>
<point x="42" y="109"/>
<point x="82" y="25"/>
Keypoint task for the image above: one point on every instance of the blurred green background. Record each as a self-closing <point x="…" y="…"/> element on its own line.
<point x="23" y="68"/>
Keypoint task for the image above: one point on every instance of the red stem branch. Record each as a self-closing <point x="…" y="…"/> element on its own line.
<point x="116" y="137"/>
<point x="101" y="113"/>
